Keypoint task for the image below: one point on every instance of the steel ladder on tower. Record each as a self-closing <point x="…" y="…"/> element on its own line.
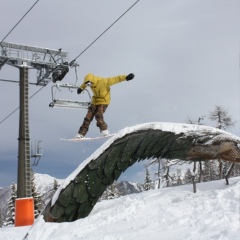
<point x="27" y="153"/>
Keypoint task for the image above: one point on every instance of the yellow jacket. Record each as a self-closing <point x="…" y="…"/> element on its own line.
<point x="101" y="87"/>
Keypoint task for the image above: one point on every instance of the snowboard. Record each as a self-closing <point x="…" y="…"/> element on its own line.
<point x="85" y="138"/>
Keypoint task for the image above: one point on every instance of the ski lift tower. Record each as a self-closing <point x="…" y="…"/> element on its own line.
<point x="51" y="65"/>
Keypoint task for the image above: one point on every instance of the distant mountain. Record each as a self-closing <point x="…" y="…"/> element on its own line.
<point x="44" y="185"/>
<point x="125" y="188"/>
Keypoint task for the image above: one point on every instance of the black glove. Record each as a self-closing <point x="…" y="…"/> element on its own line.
<point x="79" y="90"/>
<point x="130" y="76"/>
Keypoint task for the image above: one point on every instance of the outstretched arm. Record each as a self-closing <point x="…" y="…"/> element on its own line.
<point x="120" y="78"/>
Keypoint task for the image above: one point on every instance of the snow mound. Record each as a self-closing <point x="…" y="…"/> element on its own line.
<point x="167" y="214"/>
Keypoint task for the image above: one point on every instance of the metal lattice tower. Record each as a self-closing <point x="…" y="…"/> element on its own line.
<point x="50" y="65"/>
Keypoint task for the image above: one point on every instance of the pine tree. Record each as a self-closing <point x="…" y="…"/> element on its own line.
<point x="1" y="219"/>
<point x="199" y="171"/>
<point x="111" y="192"/>
<point x="214" y="164"/>
<point x="188" y="176"/>
<point x="165" y="177"/>
<point x="210" y="170"/>
<point x="236" y="170"/>
<point x="178" y="176"/>
<point x="148" y="182"/>
<point x="220" y="115"/>
<point x="10" y="219"/>
<point x="55" y="185"/>
<point x="37" y="197"/>
<point x="205" y="171"/>
<point x="159" y="172"/>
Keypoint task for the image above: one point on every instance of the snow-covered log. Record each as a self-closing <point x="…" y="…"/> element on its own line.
<point x="79" y="193"/>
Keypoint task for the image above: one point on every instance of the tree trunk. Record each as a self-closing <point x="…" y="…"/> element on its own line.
<point x="229" y="173"/>
<point x="193" y="178"/>
<point x="200" y="172"/>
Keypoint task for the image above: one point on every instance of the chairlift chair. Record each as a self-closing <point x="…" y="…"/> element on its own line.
<point x="68" y="103"/>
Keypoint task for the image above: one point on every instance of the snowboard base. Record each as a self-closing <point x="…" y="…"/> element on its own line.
<point x="85" y="138"/>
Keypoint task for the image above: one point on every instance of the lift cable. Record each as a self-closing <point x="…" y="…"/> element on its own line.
<point x="19" y="21"/>
<point x="72" y="62"/>
<point x="14" y="81"/>
<point x="19" y="107"/>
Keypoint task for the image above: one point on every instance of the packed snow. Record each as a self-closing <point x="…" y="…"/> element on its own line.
<point x="167" y="214"/>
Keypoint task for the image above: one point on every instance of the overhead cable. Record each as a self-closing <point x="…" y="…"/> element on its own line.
<point x="73" y="61"/>
<point x="19" y="21"/>
<point x="14" y="81"/>
<point x="103" y="33"/>
<point x="18" y="107"/>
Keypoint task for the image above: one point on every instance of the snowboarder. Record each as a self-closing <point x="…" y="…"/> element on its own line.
<point x="100" y="100"/>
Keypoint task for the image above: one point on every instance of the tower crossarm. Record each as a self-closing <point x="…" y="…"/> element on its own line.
<point x="46" y="61"/>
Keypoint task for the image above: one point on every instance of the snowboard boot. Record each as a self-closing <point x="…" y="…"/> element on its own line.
<point x="105" y="133"/>
<point x="79" y="135"/>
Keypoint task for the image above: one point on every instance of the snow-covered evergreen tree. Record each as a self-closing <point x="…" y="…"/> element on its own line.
<point x="188" y="177"/>
<point x="111" y="192"/>
<point x="206" y="171"/>
<point x="10" y="219"/>
<point x="166" y="177"/>
<point x="179" y="177"/>
<point x="55" y="185"/>
<point x="1" y="219"/>
<point x="173" y="179"/>
<point x="159" y="172"/>
<point x="236" y="170"/>
<point x="210" y="170"/>
<point x="37" y="197"/>
<point x="147" y="182"/>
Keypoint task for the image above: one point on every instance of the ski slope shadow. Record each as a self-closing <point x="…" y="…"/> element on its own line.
<point x="81" y="190"/>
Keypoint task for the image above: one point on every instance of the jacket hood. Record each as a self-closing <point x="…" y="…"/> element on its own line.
<point x="90" y="78"/>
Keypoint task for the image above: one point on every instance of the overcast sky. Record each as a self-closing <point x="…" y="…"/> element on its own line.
<point x="184" y="54"/>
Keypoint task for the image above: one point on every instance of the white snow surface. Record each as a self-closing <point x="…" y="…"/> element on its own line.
<point x="213" y="213"/>
<point x="164" y="126"/>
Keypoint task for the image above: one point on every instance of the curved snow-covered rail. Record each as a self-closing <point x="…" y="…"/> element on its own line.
<point x="81" y="190"/>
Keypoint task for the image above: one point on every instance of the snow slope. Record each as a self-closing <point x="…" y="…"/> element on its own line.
<point x="163" y="214"/>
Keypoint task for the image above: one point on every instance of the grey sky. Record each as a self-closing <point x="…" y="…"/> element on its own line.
<point x="184" y="54"/>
